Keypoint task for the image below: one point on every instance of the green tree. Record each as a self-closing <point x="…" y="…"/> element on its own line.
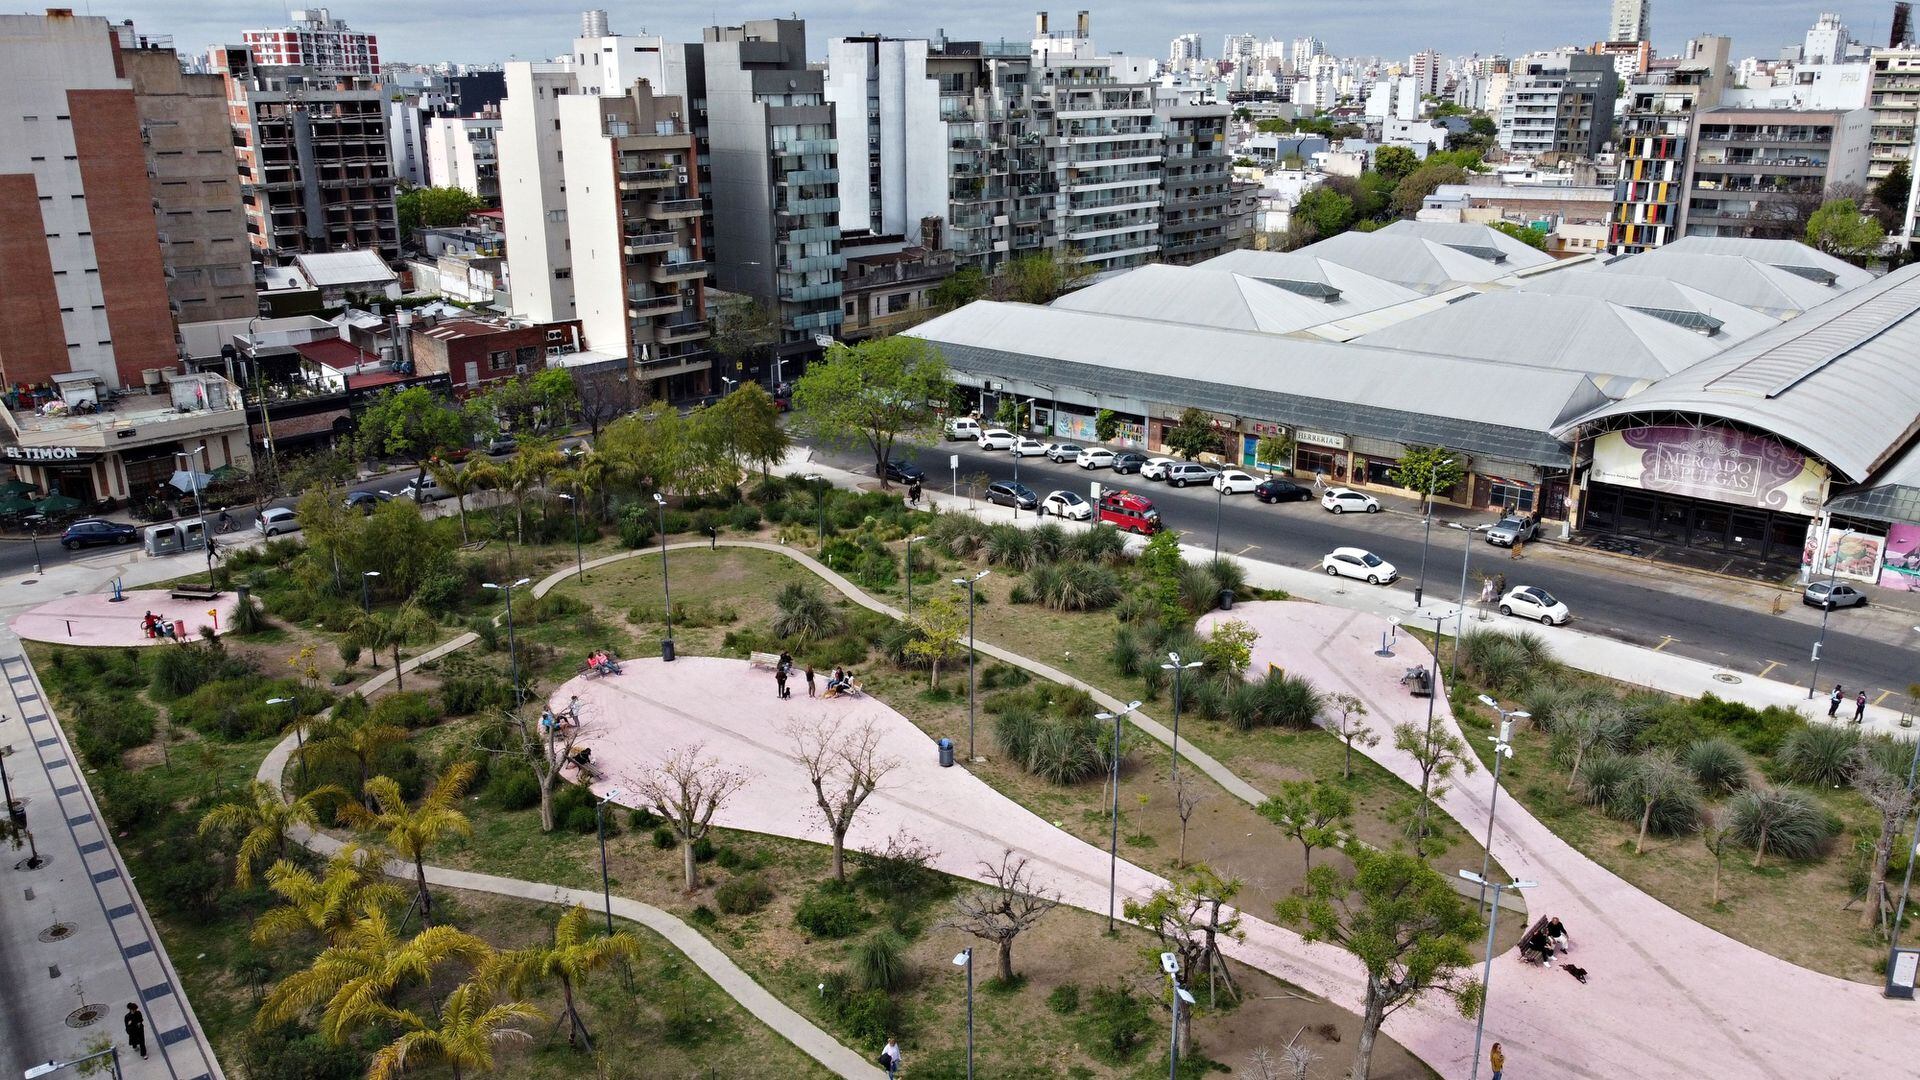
<point x="1193" y="434"/>
<point x="938" y="628"/>
<point x="327" y="906"/>
<point x="1840" y="229"/>
<point x="534" y="460"/>
<point x="881" y="391"/>
<point x="1533" y="238"/>
<point x="356" y="737"/>
<point x="1040" y="278"/>
<point x="1394" y="162"/>
<point x="744" y="330"/>
<point x="434" y="207"/>
<point x="262" y="823"/>
<point x="1324" y="211"/>
<point x="1411" y="193"/>
<point x="1229" y="649"/>
<point x="657" y="449"/>
<point x="1438" y="753"/>
<point x="962" y="287"/>
<point x="361" y="969"/>
<point x="413" y="424"/>
<point x="1890" y="196"/>
<point x="462" y="1035"/>
<point x="459" y="481"/>
<point x="1190" y="916"/>
<point x="1160" y="568"/>
<point x="376" y="630"/>
<point x="1411" y="932"/>
<point x="1483" y="126"/>
<point x="1314" y="814"/>
<point x="412" y="831"/>
<point x="748" y="422"/>
<point x="1106" y="424"/>
<point x="1274" y="451"/>
<point x="1428" y="469"/>
<point x="577" y="951"/>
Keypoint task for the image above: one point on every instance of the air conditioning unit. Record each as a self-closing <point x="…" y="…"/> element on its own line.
<point x="519" y="369"/>
<point x="681" y="175"/>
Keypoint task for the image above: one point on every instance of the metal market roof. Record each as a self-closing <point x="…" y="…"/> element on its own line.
<point x="1651" y="294"/>
<point x="1484" y="408"/>
<point x="1841" y="381"/>
<point x="1420" y="264"/>
<point x="1202" y="296"/>
<point x="1582" y="334"/>
<point x="1474" y="238"/>
<point x="1781" y="278"/>
<point x="343" y="268"/>
<point x="1892" y="494"/>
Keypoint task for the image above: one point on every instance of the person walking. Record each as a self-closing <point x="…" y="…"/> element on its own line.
<point x="890" y="1057"/>
<point x="809" y="680"/>
<point x="913" y="493"/>
<point x="1833" y="701"/>
<point x="136" y="1028"/>
<point x="1860" y="707"/>
<point x="1497" y="1059"/>
<point x="780" y="682"/>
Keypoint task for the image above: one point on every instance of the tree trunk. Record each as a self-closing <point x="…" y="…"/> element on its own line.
<point x="399" y="676"/>
<point x="461" y="502"/>
<point x="1716" y="879"/>
<point x="840" y="856"/>
<point x="1306" y="852"/>
<point x="935" y="683"/>
<point x="1579" y="752"/>
<point x="1183" y="842"/>
<point x="574" y="1022"/>
<point x="686" y="852"/>
<point x="426" y="898"/>
<point x="1760" y="849"/>
<point x="1646" y="818"/>
<point x="1876" y="884"/>
<point x="1346" y="768"/>
<point x="546" y="803"/>
<point x="1371" y="1018"/>
<point x="1006" y="960"/>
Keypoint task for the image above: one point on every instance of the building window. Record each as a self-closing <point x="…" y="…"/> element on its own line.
<point x="1327" y="463"/>
<point x="897" y="303"/>
<point x="1510" y="495"/>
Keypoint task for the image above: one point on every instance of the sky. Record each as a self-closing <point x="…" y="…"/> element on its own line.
<point x="482" y="31"/>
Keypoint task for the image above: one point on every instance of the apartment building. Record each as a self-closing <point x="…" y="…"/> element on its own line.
<point x="1656" y="141"/>
<point x="893" y="142"/>
<point x="1198" y="216"/>
<point x="315" y="167"/>
<point x="463" y="152"/>
<point x="315" y="39"/>
<point x="1760" y="172"/>
<point x="1632" y="21"/>
<point x="1564" y="106"/>
<point x="999" y="180"/>
<point x="1894" y="97"/>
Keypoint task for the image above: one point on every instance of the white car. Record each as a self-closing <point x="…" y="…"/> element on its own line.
<point x="276" y="520"/>
<point x="1359" y="563"/>
<point x="1066" y="504"/>
<point x="1533" y="602"/>
<point x="1156" y="468"/>
<point x="1235" y="482"/>
<point x="995" y="438"/>
<point x="1095" y="457"/>
<point x="1340" y="500"/>
<point x="1025" y="447"/>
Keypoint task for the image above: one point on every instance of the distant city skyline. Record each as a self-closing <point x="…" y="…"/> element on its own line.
<point x="486" y="31"/>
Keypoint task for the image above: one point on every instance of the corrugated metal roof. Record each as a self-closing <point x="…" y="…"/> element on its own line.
<point x="1644" y="292"/>
<point x="1471" y="234"/>
<point x="1841" y="381"/>
<point x="1198" y="296"/>
<point x="1774" y="277"/>
<point x="343" y="268"/>
<point x="1892" y="494"/>
<point x="1423" y="265"/>
<point x="1782" y="253"/>
<point x="1479" y="407"/>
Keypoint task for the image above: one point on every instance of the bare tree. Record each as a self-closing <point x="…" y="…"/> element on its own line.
<point x="546" y="749"/>
<point x="606" y="395"/>
<point x="1888" y="794"/>
<point x="1187" y="798"/>
<point x="1715" y="831"/>
<point x="1005" y="909"/>
<point x="685" y="789"/>
<point x="1438" y="754"/>
<point x="1293" y="1062"/>
<point x="1346" y="712"/>
<point x="844" y="768"/>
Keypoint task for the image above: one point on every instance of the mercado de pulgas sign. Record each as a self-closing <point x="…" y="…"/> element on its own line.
<point x="1714" y="463"/>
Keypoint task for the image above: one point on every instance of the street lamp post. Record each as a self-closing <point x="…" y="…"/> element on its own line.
<point x="1906" y="882"/>
<point x="513" y="655"/>
<point x="1486" y="977"/>
<point x="579" y="566"/>
<point x="1170" y="963"/>
<point x="968" y="583"/>
<point x="299" y="734"/>
<point x="1502" y="750"/>
<point x="1826" y="609"/>
<point x="1433" y="481"/>
<point x="1113" y="853"/>
<point x="366" y="590"/>
<point x="1459" y="617"/>
<point x="1433" y="692"/>
<point x="34" y="534"/>
<point x="600" y="826"/>
<point x="666" y="586"/>
<point x="193" y="475"/>
<point x="965" y="960"/>
<point x="1219" y="509"/>
<point x="111" y="1053"/>
<point x="910" y="542"/>
<point x="1178" y="668"/>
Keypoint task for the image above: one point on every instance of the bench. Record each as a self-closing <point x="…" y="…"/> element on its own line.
<point x="194" y="594"/>
<point x="1539" y="927"/>
<point x="1419" y="682"/>
<point x="764" y="660"/>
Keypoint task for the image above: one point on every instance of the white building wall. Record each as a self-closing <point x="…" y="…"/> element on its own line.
<point x="451" y="157"/>
<point x="593" y="225"/>
<point x="913" y="139"/>
<point x="610" y="65"/>
<point x="532" y="192"/>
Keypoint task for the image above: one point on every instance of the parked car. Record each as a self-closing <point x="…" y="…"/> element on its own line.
<point x="963" y="427"/>
<point x="1063" y="452"/>
<point x="276" y="520"/>
<point x="1830" y="595"/>
<point x="91" y="531"/>
<point x="1340" y="500"/>
<point x="1273" y="490"/>
<point x="1235" y="482"/>
<point x="505" y="444"/>
<point x="1509" y="531"/>
<point x="1025" y="447"/>
<point x="905" y="472"/>
<point x="1182" y="473"/>
<point x="365" y="501"/>
<point x="424" y="489"/>
<point x="1359" y="563"/>
<point x="1012" y="493"/>
<point x="1533" y="602"/>
<point x="996" y="439"/>
<point x="1128" y="461"/>
<point x="1129" y="512"/>
<point x="1156" y="468"/>
<point x="1067" y="504"/>
<point x="1095" y="457"/>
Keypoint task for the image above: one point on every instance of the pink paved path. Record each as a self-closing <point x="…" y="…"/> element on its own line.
<point x="94" y="619"/>
<point x="1667" y="995"/>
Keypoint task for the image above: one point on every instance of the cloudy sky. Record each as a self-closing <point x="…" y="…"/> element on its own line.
<point x="474" y="31"/>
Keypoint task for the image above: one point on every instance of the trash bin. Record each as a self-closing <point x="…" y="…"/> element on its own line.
<point x="1226" y="599"/>
<point x="17" y="811"/>
<point x="946" y="753"/>
<point x="666" y="649"/>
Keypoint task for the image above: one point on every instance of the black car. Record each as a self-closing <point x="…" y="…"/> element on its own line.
<point x="97" y="531"/>
<point x="1012" y="493"/>
<point x="906" y="472"/>
<point x="1273" y="490"/>
<point x="1129" y="462"/>
<point x="365" y="501"/>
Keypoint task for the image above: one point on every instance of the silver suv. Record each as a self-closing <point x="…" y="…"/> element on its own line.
<point x="1511" y="530"/>
<point x="1182" y="473"/>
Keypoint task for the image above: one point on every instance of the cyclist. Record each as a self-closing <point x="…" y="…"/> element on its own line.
<point x="226" y="520"/>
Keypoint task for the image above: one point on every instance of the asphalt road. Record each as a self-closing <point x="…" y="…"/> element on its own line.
<point x="1620" y="602"/>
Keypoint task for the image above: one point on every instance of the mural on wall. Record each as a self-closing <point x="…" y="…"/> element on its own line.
<point x="1080" y="429"/>
<point x="1712" y="463"/>
<point x="1900" y="565"/>
<point x="1848" y="554"/>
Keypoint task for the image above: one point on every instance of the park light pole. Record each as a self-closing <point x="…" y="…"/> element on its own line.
<point x="513" y="655"/>
<point x="33" y="533"/>
<point x="1826" y="609"/>
<point x="1502" y="750"/>
<point x="1113" y="853"/>
<point x="1459" y="617"/>
<point x="366" y="591"/>
<point x="299" y="734"/>
<point x="111" y="1053"/>
<point x="1486" y="978"/>
<point x="193" y="476"/>
<point x="1178" y="668"/>
<point x="911" y="540"/>
<point x="1433" y="481"/>
<point x="666" y="585"/>
<point x="579" y="566"/>
<point x="965" y="960"/>
<point x="1906" y="883"/>
<point x="600" y="826"/>
<point x="968" y="583"/>
<point x="1170" y="963"/>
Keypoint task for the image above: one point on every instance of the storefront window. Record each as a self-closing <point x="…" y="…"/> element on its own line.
<point x="1670" y="519"/>
<point x="1710" y="524"/>
<point x="1636" y="514"/>
<point x="1328" y="463"/>
<point x="1380" y="472"/>
<point x="1508" y="495"/>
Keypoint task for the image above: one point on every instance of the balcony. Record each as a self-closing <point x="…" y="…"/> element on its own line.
<point x="809" y="176"/>
<point x="691" y="330"/>
<point x="797" y="207"/>
<point x="642" y="304"/>
<point x="639" y="243"/>
<point x="806" y="146"/>
<point x="644" y="179"/>
<point x="681" y="270"/>
<point x="804" y="264"/>
<point x="672" y="209"/>
<point x="807" y="236"/>
<point x="817" y="320"/>
<point x="800" y="294"/>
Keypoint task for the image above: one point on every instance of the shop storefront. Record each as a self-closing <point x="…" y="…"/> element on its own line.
<point x="1317" y="453"/>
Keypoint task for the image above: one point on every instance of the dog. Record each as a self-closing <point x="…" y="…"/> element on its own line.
<point x="1577" y="972"/>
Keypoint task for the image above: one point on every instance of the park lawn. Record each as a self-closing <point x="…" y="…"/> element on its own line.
<point x="714" y="592"/>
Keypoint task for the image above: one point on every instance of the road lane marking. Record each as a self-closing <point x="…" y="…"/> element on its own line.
<point x="1665" y="640"/>
<point x="1771" y="664"/>
<point x="1249" y="547"/>
<point x="1884" y="694"/>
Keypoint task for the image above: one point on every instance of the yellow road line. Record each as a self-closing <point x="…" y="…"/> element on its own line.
<point x="1771" y="664"/>
<point x="1884" y="694"/>
<point x="1664" y="642"/>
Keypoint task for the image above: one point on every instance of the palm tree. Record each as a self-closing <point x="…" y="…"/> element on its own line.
<point x="461" y="481"/>
<point x="327" y="906"/>
<point x="525" y="471"/>
<point x="410" y="832"/>
<point x="469" y="1028"/>
<point x="377" y="630"/>
<point x="354" y="975"/>
<point x="577" y="951"/>
<point x="263" y="823"/>
<point x="359" y="740"/>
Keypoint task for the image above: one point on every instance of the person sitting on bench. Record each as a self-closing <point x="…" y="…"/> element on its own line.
<point x="148" y="625"/>
<point x="1537" y="949"/>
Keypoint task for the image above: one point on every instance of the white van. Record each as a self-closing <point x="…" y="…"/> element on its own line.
<point x="963" y="427"/>
<point x="425" y="489"/>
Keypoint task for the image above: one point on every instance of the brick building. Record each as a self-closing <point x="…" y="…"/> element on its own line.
<point x="475" y="353"/>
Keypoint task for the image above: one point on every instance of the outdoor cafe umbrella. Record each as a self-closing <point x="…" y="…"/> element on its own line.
<point x="227" y="474"/>
<point x="188" y="481"/>
<point x="57" y="504"/>
<point x="13" y="506"/>
<point x="14" y="489"/>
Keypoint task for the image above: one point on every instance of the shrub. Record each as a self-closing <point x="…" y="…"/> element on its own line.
<point x="1198" y="590"/>
<point x="512" y="787"/>
<point x="881" y="961"/>
<point x="1127" y="654"/>
<point x="1501" y="665"/>
<point x="552" y="607"/>
<point x="1227" y="575"/>
<point x="899" y="872"/>
<point x="1097" y="544"/>
<point x="960" y="535"/>
<point x="180" y="670"/>
<point x="1717" y="765"/>
<point x="743" y="895"/>
<point x="1069" y="749"/>
<point x="467" y="695"/>
<point x="830" y="913"/>
<point x="1819" y="754"/>
<point x="1676" y="805"/>
<point x="1065" y="999"/>
<point x="1011" y="546"/>
<point x="641" y="819"/>
<point x="103" y="728"/>
<point x="349" y="652"/>
<point x="1004" y="677"/>
<point x="1603" y="776"/>
<point x="636" y="526"/>
<point x="1207" y="696"/>
<point x="1049" y="540"/>
<point x="131" y="801"/>
<point x="1758" y="731"/>
<point x="703" y="850"/>
<point x="249" y="618"/>
<point x="663" y="838"/>
<point x="801" y="611"/>
<point x="409" y="709"/>
<point x="867" y="1016"/>
<point x="1779" y="820"/>
<point x="1136" y="607"/>
<point x="703" y="917"/>
<point x="1117" y="1022"/>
